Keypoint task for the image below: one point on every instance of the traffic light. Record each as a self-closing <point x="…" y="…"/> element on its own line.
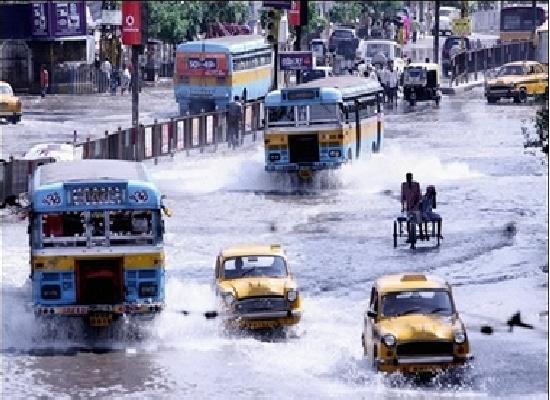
<point x="272" y="27"/>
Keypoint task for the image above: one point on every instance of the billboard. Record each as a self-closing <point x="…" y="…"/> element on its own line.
<point x="131" y="22"/>
<point x="58" y="19"/>
<point x="295" y="60"/>
<point x="201" y="64"/>
<point x="280" y="5"/>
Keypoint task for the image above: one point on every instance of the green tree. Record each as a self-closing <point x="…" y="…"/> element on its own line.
<point x="346" y="12"/>
<point x="174" y="21"/>
<point x="315" y="23"/>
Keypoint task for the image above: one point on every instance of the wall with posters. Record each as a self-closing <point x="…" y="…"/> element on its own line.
<point x="58" y="19"/>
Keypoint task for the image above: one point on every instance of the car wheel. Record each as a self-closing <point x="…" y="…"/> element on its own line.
<point x="492" y="100"/>
<point x="13" y="120"/>
<point x="412" y="102"/>
<point x="517" y="99"/>
<point x="437" y="100"/>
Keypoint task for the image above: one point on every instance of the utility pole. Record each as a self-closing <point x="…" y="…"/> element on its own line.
<point x="534" y="4"/>
<point x="136" y="49"/>
<point x="436" y="32"/>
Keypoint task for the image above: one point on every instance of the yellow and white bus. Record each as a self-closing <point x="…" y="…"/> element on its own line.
<point x="322" y="124"/>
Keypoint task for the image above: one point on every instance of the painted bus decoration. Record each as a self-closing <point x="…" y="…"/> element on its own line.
<point x="96" y="241"/>
<point x="322" y="124"/>
<point x="210" y="73"/>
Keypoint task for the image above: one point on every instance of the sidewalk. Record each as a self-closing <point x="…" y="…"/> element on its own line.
<point x="446" y="87"/>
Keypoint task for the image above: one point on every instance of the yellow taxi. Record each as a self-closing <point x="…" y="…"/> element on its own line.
<point x="412" y="326"/>
<point x="517" y="80"/>
<point x="256" y="288"/>
<point x="10" y="105"/>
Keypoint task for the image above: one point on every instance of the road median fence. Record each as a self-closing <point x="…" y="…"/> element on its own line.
<point x="465" y="65"/>
<point x="209" y="130"/>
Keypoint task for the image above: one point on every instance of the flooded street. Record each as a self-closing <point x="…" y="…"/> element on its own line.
<point x="493" y="200"/>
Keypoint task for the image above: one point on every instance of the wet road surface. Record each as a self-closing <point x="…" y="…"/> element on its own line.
<point x="338" y="240"/>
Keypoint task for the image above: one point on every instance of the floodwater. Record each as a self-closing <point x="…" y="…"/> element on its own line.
<point x="492" y="196"/>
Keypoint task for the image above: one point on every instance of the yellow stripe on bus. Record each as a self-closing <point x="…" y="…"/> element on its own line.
<point x="236" y="78"/>
<point x="67" y="263"/>
<point x="368" y="129"/>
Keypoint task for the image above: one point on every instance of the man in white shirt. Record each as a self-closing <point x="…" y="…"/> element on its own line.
<point x="385" y="80"/>
<point x="393" y="81"/>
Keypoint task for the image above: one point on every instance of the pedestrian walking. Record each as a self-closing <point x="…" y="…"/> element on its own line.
<point x="234" y="120"/>
<point x="392" y="30"/>
<point x="126" y="77"/>
<point x="393" y="82"/>
<point x="415" y="29"/>
<point x="385" y="79"/>
<point x="44" y="80"/>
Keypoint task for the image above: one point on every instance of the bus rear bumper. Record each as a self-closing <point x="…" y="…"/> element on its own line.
<point x="76" y="310"/>
<point x="317" y="166"/>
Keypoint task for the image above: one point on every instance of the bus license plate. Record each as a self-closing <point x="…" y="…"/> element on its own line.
<point x="100" y="319"/>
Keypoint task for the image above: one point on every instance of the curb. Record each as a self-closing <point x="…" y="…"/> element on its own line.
<point x="460" y="89"/>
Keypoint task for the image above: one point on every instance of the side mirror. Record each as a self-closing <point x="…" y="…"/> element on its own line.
<point x="372" y="314"/>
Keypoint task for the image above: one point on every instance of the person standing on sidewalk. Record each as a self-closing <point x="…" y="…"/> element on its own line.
<point x="415" y="29"/>
<point x="385" y="80"/>
<point x="234" y="119"/>
<point x="126" y="77"/>
<point x="44" y="80"/>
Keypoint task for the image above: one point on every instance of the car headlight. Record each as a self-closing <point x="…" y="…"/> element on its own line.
<point x="388" y="340"/>
<point x="228" y="298"/>
<point x="292" y="295"/>
<point x="460" y="337"/>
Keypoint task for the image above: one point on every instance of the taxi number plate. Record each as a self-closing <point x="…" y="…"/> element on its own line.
<point x="261" y="324"/>
<point x="101" y="319"/>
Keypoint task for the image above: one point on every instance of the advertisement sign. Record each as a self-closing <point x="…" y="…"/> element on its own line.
<point x="40" y="20"/>
<point x="131" y="22"/>
<point x="58" y="19"/>
<point x="201" y="64"/>
<point x="296" y="60"/>
<point x="69" y="18"/>
<point x="279" y="5"/>
<point x="111" y="17"/>
<point x="461" y="26"/>
<point x="294" y="13"/>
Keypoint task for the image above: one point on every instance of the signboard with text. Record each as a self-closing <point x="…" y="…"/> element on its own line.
<point x="58" y="19"/>
<point x="296" y="60"/>
<point x="201" y="64"/>
<point x="131" y="22"/>
<point x="279" y="5"/>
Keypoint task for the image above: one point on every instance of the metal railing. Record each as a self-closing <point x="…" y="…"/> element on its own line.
<point x="466" y="65"/>
<point x="191" y="132"/>
<point x="159" y="139"/>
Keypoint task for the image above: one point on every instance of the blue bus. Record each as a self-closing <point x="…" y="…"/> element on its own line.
<point x="96" y="241"/>
<point x="210" y="73"/>
<point x="322" y="124"/>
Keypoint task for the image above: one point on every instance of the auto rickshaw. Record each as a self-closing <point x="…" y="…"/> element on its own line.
<point x="421" y="83"/>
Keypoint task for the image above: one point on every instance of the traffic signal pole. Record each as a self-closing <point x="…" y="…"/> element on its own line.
<point x="436" y="33"/>
<point x="135" y="85"/>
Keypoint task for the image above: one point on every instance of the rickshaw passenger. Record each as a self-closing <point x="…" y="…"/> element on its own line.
<point x="429" y="203"/>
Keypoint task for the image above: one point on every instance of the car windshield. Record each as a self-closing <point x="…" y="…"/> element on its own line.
<point x="247" y="266"/>
<point x="5" y="89"/>
<point x="438" y="302"/>
<point x="456" y="42"/>
<point x="375" y="48"/>
<point x="416" y="72"/>
<point x="343" y="34"/>
<point x="511" y="70"/>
